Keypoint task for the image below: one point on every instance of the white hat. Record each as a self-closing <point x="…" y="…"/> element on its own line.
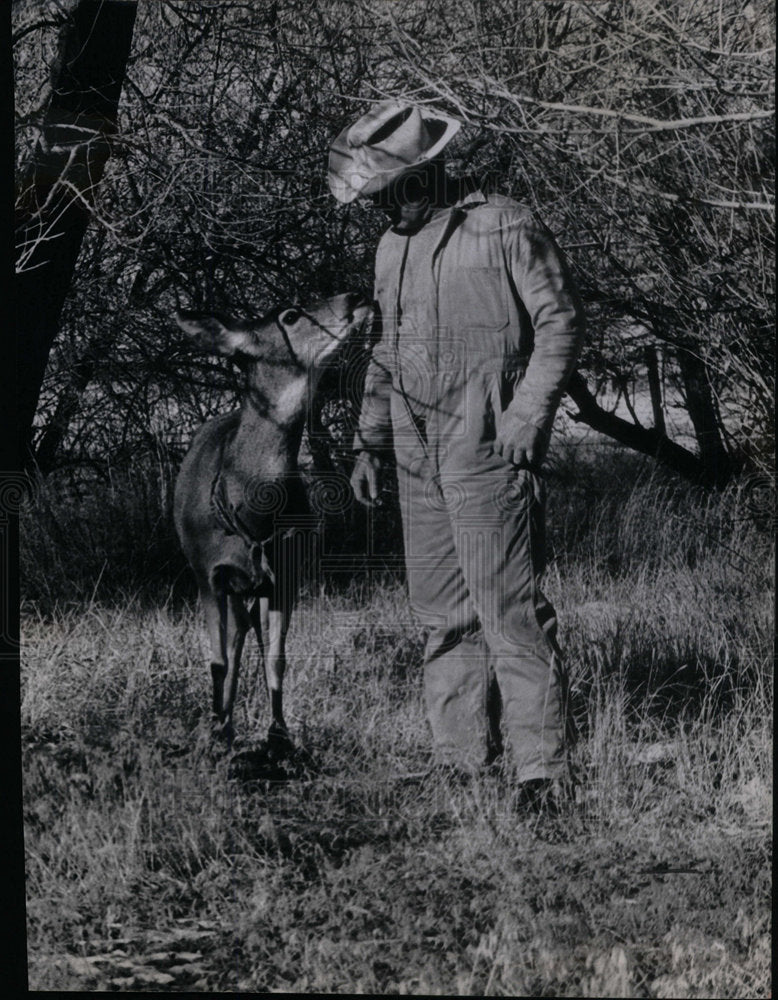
<point x="390" y="139"/>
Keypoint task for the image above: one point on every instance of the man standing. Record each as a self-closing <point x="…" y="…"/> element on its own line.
<point x="481" y="329"/>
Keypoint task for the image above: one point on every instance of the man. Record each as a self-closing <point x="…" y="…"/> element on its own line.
<point x="481" y="329"/>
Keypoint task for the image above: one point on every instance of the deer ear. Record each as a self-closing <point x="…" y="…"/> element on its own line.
<point x="211" y="334"/>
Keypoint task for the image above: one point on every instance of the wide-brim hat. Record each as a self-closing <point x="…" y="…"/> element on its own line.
<point x="390" y="139"/>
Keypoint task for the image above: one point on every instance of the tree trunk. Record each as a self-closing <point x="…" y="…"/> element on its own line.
<point x="699" y="405"/>
<point x="68" y="403"/>
<point x="655" y="389"/>
<point x="57" y="192"/>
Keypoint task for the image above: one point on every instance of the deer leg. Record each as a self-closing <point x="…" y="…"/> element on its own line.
<point x="275" y="622"/>
<point x="213" y="624"/>
<point x="235" y="624"/>
<point x="260" y="630"/>
<point x="227" y="622"/>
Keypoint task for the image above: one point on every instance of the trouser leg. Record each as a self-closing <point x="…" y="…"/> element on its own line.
<point x="458" y="692"/>
<point x="460" y="696"/>
<point x="499" y="537"/>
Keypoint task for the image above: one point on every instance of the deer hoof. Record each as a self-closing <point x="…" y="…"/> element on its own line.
<point x="218" y="673"/>
<point x="279" y="742"/>
<point x="222" y="731"/>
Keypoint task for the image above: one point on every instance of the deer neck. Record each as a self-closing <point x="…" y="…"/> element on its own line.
<point x="268" y="437"/>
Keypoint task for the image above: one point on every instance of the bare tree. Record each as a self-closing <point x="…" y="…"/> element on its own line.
<point x="58" y="184"/>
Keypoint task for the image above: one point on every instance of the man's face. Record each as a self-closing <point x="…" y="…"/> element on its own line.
<point x="407" y="200"/>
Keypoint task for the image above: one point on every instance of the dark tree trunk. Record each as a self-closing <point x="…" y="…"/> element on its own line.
<point x="655" y="389"/>
<point x="702" y="412"/>
<point x="58" y="188"/>
<point x="68" y="403"/>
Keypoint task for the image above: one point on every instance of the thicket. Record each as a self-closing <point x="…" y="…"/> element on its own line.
<point x="611" y="513"/>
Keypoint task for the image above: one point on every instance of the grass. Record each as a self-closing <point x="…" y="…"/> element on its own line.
<point x="150" y="868"/>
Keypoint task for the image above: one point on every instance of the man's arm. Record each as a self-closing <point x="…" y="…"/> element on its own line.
<point x="548" y="292"/>
<point x="374" y="431"/>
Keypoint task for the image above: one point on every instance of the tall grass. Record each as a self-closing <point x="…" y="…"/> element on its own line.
<point x="106" y="538"/>
<point x="150" y="867"/>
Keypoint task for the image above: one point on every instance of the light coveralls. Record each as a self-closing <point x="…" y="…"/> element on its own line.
<point x="479" y="314"/>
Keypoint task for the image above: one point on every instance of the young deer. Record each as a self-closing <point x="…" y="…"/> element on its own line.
<point x="238" y="493"/>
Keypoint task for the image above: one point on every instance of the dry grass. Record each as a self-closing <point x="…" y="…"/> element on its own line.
<point x="148" y="867"/>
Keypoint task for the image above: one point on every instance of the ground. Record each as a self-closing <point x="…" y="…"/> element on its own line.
<point x="156" y="862"/>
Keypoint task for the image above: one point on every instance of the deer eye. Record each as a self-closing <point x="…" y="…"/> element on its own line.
<point x="290" y="316"/>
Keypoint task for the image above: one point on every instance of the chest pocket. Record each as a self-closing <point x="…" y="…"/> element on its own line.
<point x="477" y="299"/>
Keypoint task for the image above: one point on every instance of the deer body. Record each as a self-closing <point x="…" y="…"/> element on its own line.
<point x="238" y="494"/>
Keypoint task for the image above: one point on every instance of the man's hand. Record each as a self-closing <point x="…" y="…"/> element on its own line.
<point x="519" y="443"/>
<point x="364" y="478"/>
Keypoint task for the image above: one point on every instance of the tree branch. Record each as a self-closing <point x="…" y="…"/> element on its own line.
<point x="647" y="441"/>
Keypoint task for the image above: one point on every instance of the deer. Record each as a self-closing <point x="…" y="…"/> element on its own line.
<point x="239" y="494"/>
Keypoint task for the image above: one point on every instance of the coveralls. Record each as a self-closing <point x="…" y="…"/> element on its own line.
<point x="479" y="314"/>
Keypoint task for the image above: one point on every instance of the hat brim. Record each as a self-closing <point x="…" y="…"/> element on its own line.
<point x="348" y="190"/>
